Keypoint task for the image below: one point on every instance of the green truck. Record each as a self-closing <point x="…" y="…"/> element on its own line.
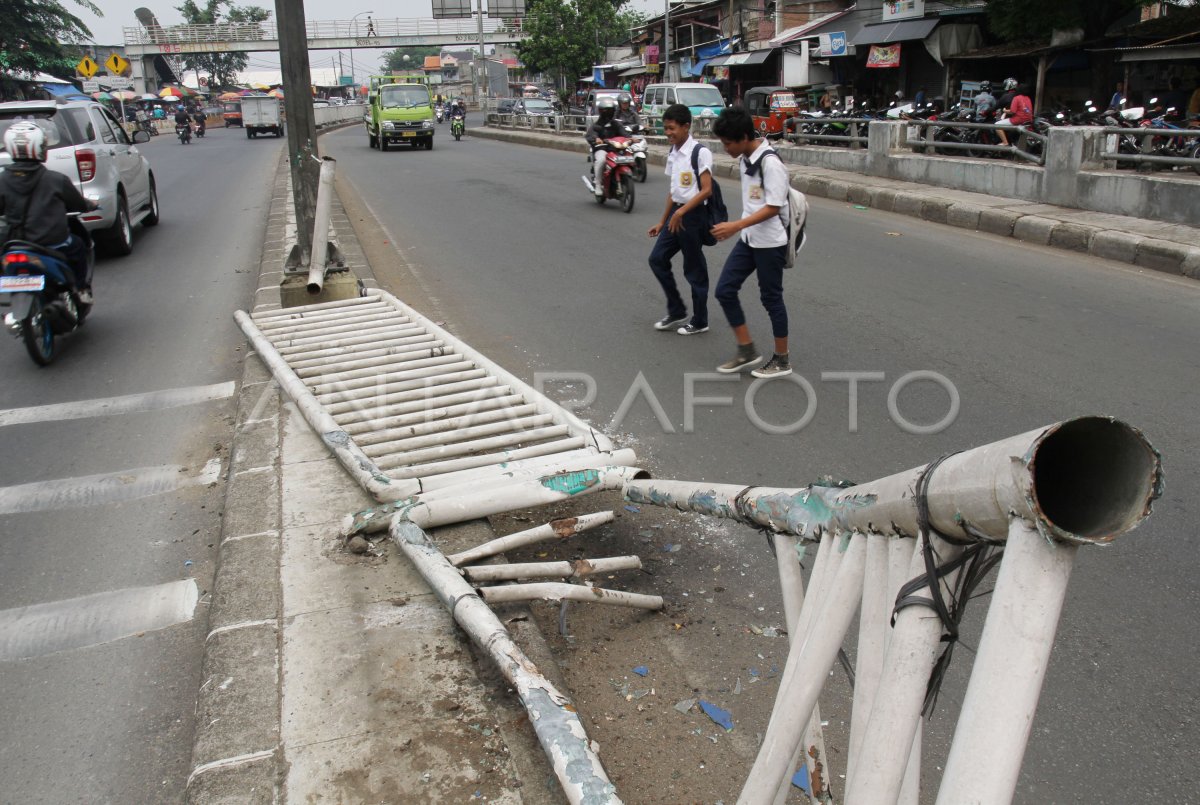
<point x="400" y="110"/>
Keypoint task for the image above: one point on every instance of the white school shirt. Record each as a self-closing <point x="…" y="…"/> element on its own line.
<point x="768" y="189"/>
<point x="679" y="167"/>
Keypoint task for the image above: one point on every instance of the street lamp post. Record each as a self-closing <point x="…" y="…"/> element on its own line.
<point x="354" y="35"/>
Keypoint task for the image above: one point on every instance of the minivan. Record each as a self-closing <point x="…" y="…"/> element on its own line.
<point x="704" y="100"/>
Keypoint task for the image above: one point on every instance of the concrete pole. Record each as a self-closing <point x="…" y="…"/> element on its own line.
<point x="480" y="82"/>
<point x="997" y="712"/>
<point x="301" y="122"/>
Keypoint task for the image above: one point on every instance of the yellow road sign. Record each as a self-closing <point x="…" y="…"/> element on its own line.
<point x="86" y="67"/>
<point x="115" y="64"/>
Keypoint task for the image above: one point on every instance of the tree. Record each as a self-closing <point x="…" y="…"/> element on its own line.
<point x="394" y="62"/>
<point x="222" y="67"/>
<point x="29" y="43"/>
<point x="566" y="37"/>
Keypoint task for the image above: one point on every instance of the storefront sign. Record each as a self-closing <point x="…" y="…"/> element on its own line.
<point x="884" y="55"/>
<point x="833" y="43"/>
<point x="902" y="9"/>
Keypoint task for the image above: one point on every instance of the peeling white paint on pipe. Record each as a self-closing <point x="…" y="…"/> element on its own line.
<point x="1006" y="679"/>
<point x="551" y="570"/>
<point x="873" y="625"/>
<point x="320" y="235"/>
<point x="523" y="470"/>
<point x="556" y="529"/>
<point x="559" y="728"/>
<point x="104" y="488"/>
<point x="486" y="459"/>
<point x="561" y="591"/>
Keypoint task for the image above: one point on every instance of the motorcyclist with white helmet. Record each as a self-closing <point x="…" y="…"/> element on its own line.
<point x="34" y="201"/>
<point x="606" y="126"/>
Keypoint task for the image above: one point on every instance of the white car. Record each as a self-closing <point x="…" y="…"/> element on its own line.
<point x="90" y="147"/>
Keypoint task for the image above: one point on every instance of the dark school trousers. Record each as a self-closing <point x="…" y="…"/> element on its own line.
<point x="768" y="263"/>
<point x="695" y="267"/>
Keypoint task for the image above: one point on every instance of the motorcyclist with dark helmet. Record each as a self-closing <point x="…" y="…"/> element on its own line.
<point x="626" y="114"/>
<point x="984" y="101"/>
<point x="606" y="126"/>
<point x="35" y="201"/>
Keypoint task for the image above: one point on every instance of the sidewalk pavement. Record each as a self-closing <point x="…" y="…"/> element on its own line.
<point x="1159" y="246"/>
<point x="331" y="672"/>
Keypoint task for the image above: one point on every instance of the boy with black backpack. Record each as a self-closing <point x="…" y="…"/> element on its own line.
<point x="685" y="224"/>
<point x="763" y="246"/>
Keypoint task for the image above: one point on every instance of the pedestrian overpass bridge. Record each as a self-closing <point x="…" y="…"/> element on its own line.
<point x="179" y="40"/>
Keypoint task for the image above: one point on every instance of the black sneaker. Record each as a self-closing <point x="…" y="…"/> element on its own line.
<point x="691" y="329"/>
<point x="669" y="322"/>
<point x="746" y="356"/>
<point x="778" y="366"/>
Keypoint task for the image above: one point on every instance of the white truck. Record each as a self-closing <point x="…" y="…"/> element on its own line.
<point x="262" y="114"/>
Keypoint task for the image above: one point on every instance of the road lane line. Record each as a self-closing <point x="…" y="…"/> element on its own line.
<point x="39" y="629"/>
<point x="108" y="406"/>
<point x="97" y="490"/>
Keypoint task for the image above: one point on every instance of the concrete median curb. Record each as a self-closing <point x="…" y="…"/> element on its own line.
<point x="939" y="206"/>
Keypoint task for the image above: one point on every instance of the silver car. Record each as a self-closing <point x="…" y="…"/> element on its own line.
<point x="93" y="150"/>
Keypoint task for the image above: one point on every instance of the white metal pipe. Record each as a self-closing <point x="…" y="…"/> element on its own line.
<point x="361" y="468"/>
<point x="896" y="710"/>
<point x="320" y="234"/>
<point x="318" y="358"/>
<point x="496" y="413"/>
<point x="561" y="591"/>
<point x="356" y="399"/>
<point x="1085" y="480"/>
<point x="801" y="684"/>
<point x="377" y="417"/>
<point x="484" y="459"/>
<point x="344" y="371"/>
<point x="294" y="344"/>
<point x="558" y="726"/>
<point x="303" y="320"/>
<point x="323" y="385"/>
<point x="900" y="552"/>
<point x="503" y="425"/>
<point x="601" y="442"/>
<point x="555" y="529"/>
<point x="811" y="752"/>
<point x="438" y="409"/>
<point x="566" y="473"/>
<point x="451" y="450"/>
<point x="322" y="332"/>
<point x="292" y="312"/>
<point x="873" y="625"/>
<point x="578" y="569"/>
<point x="1006" y="680"/>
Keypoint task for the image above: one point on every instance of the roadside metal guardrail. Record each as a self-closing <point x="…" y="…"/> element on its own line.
<point x="1029" y="145"/>
<point x="564" y="123"/>
<point x="1187" y="156"/>
<point x="855" y="132"/>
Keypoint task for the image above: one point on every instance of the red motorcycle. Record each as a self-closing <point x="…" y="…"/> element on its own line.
<point x="617" y="183"/>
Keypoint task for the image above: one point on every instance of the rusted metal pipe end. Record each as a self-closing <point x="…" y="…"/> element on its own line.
<point x="1093" y="479"/>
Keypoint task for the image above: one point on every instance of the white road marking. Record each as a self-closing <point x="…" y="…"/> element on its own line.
<point x="108" y="406"/>
<point x="97" y="490"/>
<point x="39" y="629"/>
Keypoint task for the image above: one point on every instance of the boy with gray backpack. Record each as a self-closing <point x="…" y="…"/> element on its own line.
<point x="770" y="233"/>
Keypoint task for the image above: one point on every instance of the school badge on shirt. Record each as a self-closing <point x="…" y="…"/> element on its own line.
<point x="756" y="194"/>
<point x="685" y="179"/>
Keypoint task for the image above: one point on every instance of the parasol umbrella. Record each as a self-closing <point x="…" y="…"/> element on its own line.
<point x="261" y="87"/>
<point x="276" y="93"/>
<point x="124" y="94"/>
<point x="102" y="96"/>
<point x="229" y="96"/>
<point x="148" y="97"/>
<point x="169" y="99"/>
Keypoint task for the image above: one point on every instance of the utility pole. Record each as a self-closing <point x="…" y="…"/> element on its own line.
<point x="480" y="83"/>
<point x="666" y="58"/>
<point x="301" y="123"/>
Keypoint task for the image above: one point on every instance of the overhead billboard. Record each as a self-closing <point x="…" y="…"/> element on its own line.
<point x="506" y="8"/>
<point x="451" y="9"/>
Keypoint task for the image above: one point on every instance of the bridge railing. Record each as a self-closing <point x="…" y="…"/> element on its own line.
<point x="316" y="29"/>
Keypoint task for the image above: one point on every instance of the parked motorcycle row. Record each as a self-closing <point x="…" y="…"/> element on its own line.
<point x="806" y="124"/>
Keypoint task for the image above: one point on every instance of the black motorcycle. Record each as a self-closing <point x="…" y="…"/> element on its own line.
<point x="184" y="132"/>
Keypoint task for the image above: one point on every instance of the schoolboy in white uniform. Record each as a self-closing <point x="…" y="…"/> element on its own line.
<point x="762" y="243"/>
<point x="682" y="226"/>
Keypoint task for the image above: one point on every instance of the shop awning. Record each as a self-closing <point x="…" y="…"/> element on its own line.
<point x="64" y="91"/>
<point x="902" y="31"/>
<point x="639" y="70"/>
<point x="742" y="59"/>
<point x="803" y="31"/>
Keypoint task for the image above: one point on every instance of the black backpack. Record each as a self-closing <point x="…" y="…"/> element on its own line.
<point x="714" y="207"/>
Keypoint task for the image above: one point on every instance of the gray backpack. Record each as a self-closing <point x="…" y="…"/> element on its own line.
<point x="796" y="217"/>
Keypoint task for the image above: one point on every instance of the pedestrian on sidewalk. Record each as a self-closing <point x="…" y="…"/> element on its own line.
<point x="683" y="224"/>
<point x="762" y="243"/>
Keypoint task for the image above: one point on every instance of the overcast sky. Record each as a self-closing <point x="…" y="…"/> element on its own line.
<point x="118" y="14"/>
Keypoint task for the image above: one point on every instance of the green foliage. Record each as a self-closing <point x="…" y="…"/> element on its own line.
<point x="566" y="37"/>
<point x="29" y="41"/>
<point x="223" y="67"/>
<point x="393" y="61"/>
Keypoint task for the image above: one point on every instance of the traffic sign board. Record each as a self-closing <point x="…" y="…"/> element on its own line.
<point x="106" y="83"/>
<point x="115" y="64"/>
<point x="91" y="86"/>
<point x="87" y="67"/>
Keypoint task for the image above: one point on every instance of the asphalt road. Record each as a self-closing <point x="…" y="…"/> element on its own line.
<point x="504" y="244"/>
<point x="89" y="714"/>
